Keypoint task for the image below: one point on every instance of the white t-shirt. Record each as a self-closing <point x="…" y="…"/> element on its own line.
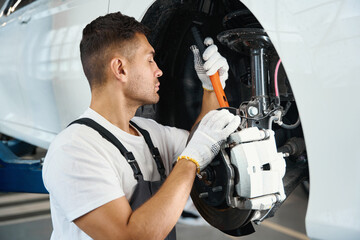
<point x="83" y="171"/>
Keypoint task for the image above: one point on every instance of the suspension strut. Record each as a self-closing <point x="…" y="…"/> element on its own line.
<point x="258" y="43"/>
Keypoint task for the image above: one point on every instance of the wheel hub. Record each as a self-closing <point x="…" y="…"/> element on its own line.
<point x="211" y="192"/>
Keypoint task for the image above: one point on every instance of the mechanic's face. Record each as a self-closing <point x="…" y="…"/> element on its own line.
<point x="143" y="74"/>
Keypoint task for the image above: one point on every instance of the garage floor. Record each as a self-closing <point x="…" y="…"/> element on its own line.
<point x="27" y="216"/>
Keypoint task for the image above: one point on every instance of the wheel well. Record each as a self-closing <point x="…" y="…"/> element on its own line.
<point x="181" y="92"/>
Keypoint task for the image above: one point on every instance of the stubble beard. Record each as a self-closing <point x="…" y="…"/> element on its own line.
<point x="140" y="95"/>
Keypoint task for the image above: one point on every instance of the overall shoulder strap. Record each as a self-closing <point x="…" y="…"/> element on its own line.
<point x="154" y="150"/>
<point x="112" y="139"/>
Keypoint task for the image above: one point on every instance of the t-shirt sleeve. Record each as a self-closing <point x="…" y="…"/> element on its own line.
<point x="80" y="179"/>
<point x="171" y="141"/>
<point x="176" y="141"/>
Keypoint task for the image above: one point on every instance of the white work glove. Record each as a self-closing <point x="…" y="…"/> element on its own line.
<point x="213" y="62"/>
<point x="212" y="131"/>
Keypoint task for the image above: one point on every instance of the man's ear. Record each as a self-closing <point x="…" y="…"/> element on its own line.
<point x="118" y="69"/>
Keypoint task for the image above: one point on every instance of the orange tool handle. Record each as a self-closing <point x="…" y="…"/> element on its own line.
<point x="219" y="91"/>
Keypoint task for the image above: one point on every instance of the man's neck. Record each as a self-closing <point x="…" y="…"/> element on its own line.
<point x="115" y="109"/>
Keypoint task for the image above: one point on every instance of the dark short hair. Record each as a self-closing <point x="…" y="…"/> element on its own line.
<point x="100" y="37"/>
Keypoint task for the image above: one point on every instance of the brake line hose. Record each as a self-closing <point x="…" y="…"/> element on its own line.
<point x="284" y="125"/>
<point x="292" y="126"/>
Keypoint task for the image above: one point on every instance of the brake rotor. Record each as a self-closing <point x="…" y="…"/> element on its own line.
<point x="209" y="195"/>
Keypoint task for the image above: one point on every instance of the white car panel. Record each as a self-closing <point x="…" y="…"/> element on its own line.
<point x="43" y="75"/>
<point x="319" y="43"/>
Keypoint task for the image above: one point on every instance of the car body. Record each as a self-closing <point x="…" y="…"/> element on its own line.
<point x="43" y="88"/>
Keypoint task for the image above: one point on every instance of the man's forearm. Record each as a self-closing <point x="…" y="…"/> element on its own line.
<point x="155" y="218"/>
<point x="209" y="102"/>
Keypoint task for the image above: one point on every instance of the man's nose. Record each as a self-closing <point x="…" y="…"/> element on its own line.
<point x="158" y="73"/>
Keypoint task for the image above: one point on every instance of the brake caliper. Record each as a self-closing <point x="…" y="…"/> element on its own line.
<point x="260" y="169"/>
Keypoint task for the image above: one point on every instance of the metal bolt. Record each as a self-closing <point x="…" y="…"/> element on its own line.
<point x="253" y="111"/>
<point x="285" y="154"/>
<point x="203" y="195"/>
<point x="217" y="189"/>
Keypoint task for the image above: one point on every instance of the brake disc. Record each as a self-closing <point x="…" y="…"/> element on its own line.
<point x="212" y="192"/>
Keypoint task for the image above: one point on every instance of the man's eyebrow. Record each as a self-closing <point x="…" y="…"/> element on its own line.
<point x="152" y="52"/>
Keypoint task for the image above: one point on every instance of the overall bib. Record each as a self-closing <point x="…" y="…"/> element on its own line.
<point x="144" y="189"/>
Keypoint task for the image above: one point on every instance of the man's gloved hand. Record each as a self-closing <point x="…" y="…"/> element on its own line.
<point x="212" y="131"/>
<point x="213" y="62"/>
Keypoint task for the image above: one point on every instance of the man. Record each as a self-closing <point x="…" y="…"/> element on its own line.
<point x="103" y="170"/>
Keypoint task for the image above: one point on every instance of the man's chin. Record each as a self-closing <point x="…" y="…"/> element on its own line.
<point x="154" y="101"/>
